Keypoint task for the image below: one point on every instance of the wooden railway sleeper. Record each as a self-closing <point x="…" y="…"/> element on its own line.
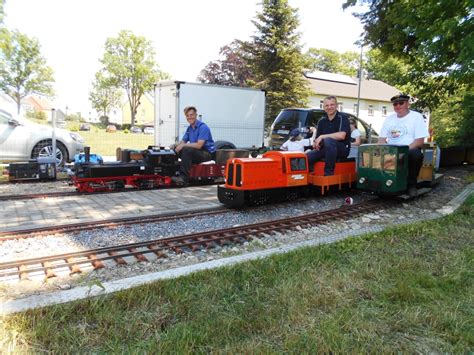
<point x="119" y="260"/>
<point x="75" y="269"/>
<point x="48" y="270"/>
<point x="23" y="272"/>
<point x="139" y="257"/>
<point x="97" y="264"/>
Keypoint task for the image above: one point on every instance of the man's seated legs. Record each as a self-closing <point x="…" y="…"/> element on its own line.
<point x="415" y="160"/>
<point x="330" y="151"/>
<point x="190" y="156"/>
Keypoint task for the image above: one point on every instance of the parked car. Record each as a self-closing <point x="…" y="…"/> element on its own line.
<point x="149" y="130"/>
<point x="21" y="139"/>
<point x="84" y="127"/>
<point x="111" y="128"/>
<point x="304" y="118"/>
<point x="135" y="129"/>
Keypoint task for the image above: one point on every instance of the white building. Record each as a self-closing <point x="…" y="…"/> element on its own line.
<point x="375" y="95"/>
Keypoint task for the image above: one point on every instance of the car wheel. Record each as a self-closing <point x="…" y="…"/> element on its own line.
<point x="45" y="148"/>
<point x="224" y="145"/>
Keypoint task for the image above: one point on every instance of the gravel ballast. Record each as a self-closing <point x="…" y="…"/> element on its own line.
<point x="427" y="206"/>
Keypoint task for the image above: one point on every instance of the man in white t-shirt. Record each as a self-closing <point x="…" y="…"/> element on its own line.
<point x="406" y="127"/>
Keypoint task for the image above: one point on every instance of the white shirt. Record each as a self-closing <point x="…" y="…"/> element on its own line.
<point x="355" y="133"/>
<point x="295" y="146"/>
<point x="404" y="130"/>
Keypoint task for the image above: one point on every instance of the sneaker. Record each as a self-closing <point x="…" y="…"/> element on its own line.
<point x="178" y="180"/>
<point x="412" y="191"/>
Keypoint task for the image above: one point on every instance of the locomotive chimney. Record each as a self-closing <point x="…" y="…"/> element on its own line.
<point x="87" y="152"/>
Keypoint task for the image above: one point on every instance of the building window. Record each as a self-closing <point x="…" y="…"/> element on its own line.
<point x="340" y="106"/>
<point x="384" y="110"/>
<point x="320" y="103"/>
<point x="371" y="110"/>
<point x="354" y="110"/>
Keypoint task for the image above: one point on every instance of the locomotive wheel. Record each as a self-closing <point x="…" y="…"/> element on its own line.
<point x="119" y="185"/>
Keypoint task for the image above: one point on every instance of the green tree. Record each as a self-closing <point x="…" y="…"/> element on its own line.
<point x="2" y="4"/>
<point x="233" y="69"/>
<point x="276" y="59"/>
<point x="435" y="40"/>
<point x="323" y="59"/>
<point x="435" y="36"/>
<point x="129" y="64"/>
<point x="23" y="69"/>
<point x="104" y="96"/>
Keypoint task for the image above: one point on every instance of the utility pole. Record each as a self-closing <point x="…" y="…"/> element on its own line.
<point x="360" y="80"/>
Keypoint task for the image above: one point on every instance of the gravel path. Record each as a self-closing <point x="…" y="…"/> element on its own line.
<point x="424" y="207"/>
<point x="28" y="188"/>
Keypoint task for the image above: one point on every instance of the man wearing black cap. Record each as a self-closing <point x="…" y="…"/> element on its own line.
<point x="406" y="127"/>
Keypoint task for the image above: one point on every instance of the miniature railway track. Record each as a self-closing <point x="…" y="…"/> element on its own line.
<point x="110" y="223"/>
<point x="77" y="262"/>
<point x="37" y="196"/>
<point x="76" y="193"/>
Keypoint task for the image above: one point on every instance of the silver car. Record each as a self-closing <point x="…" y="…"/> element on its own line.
<point x="21" y="139"/>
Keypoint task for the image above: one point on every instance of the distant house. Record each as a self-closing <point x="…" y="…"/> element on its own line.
<point x="37" y="104"/>
<point x="375" y="95"/>
<point x="145" y="112"/>
<point x="40" y="104"/>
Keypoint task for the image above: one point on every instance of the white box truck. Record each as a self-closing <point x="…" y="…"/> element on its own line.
<point x="235" y="115"/>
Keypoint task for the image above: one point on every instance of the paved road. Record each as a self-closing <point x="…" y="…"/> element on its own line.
<point x="34" y="213"/>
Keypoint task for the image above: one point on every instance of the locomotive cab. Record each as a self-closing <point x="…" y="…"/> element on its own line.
<point x="382" y="168"/>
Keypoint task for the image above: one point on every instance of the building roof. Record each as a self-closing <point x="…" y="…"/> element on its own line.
<point x="324" y="83"/>
<point x="37" y="103"/>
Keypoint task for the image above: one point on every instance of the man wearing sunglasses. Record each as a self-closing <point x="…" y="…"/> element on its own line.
<point x="406" y="127"/>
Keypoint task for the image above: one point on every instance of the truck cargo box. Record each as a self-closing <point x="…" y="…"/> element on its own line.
<point x="233" y="114"/>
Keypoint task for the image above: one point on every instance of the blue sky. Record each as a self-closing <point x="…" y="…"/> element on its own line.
<point x="186" y="34"/>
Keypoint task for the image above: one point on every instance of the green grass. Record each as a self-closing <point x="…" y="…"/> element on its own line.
<point x="406" y="289"/>
<point x="104" y="143"/>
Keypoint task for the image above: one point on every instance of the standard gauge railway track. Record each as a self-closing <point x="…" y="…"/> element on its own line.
<point x="77" y="262"/>
<point x="110" y="223"/>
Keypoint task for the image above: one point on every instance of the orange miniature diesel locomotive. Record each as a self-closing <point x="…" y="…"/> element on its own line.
<point x="279" y="176"/>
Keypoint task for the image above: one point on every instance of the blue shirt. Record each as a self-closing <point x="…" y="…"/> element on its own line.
<point x="200" y="132"/>
<point x="340" y="123"/>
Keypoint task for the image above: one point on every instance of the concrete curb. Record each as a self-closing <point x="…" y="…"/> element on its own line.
<point x="78" y="293"/>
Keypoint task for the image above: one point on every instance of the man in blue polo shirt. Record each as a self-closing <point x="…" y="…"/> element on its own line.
<point x="196" y="146"/>
<point x="333" y="137"/>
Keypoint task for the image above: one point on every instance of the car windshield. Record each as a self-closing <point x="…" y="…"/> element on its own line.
<point x="289" y="119"/>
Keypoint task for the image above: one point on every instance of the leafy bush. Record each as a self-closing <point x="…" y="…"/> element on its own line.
<point x="126" y="131"/>
<point x="452" y="120"/>
<point x="104" y="120"/>
<point x="37" y="115"/>
<point x="75" y="117"/>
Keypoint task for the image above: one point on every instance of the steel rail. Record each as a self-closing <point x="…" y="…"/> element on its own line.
<point x="76" y="193"/>
<point x="107" y="223"/>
